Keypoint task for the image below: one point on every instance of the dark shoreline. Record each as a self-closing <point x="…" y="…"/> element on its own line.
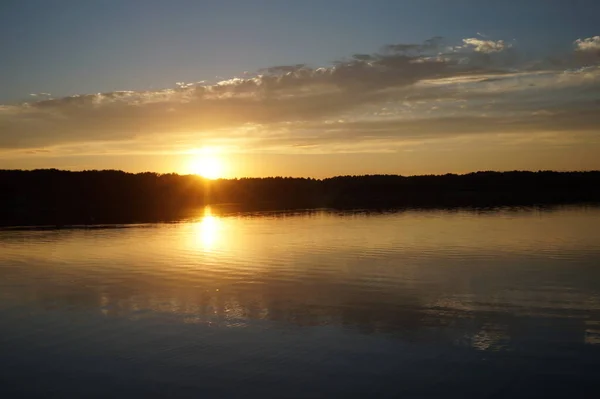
<point x="216" y="211"/>
<point x="91" y="198"/>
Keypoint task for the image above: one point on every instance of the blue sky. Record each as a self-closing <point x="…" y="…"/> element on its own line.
<point x="74" y="47"/>
<point x="505" y="78"/>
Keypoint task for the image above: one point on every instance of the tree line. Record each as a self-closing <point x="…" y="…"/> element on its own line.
<point x="55" y="197"/>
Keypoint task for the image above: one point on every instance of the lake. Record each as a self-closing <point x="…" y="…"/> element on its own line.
<point x="316" y="304"/>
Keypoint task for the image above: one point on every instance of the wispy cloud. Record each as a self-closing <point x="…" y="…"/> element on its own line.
<point x="403" y="93"/>
<point x="486" y="46"/>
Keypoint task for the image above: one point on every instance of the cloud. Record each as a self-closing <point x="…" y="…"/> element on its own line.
<point x="588" y="45"/>
<point x="403" y="93"/>
<point x="587" y="51"/>
<point x="486" y="46"/>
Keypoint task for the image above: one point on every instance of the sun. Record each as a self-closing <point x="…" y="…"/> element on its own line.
<point x="207" y="166"/>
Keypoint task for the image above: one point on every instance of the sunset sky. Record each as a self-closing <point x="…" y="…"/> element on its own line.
<point x="300" y="88"/>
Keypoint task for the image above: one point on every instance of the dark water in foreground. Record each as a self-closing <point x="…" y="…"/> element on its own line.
<point x="306" y="305"/>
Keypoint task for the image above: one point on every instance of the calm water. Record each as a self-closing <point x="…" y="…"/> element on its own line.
<point x="306" y="305"/>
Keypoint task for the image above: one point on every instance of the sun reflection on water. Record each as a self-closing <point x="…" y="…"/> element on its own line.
<point x="208" y="230"/>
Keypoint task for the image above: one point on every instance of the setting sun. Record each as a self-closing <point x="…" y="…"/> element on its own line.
<point x="208" y="166"/>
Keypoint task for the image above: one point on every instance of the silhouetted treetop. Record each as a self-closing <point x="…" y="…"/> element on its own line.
<point x="56" y="197"/>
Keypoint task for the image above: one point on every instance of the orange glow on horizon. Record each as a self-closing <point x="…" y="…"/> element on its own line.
<point x="207" y="164"/>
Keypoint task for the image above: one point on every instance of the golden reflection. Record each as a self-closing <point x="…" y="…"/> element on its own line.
<point x="491" y="337"/>
<point x="208" y="230"/>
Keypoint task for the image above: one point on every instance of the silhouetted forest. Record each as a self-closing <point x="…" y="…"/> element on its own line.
<point x="54" y="197"/>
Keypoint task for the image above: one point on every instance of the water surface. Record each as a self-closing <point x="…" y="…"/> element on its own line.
<point x="502" y="303"/>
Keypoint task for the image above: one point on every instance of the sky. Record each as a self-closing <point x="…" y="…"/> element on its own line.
<point x="300" y="88"/>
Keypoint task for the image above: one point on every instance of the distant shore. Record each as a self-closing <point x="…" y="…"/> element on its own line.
<point x="54" y="197"/>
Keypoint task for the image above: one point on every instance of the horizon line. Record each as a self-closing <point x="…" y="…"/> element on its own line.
<point x="303" y="177"/>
